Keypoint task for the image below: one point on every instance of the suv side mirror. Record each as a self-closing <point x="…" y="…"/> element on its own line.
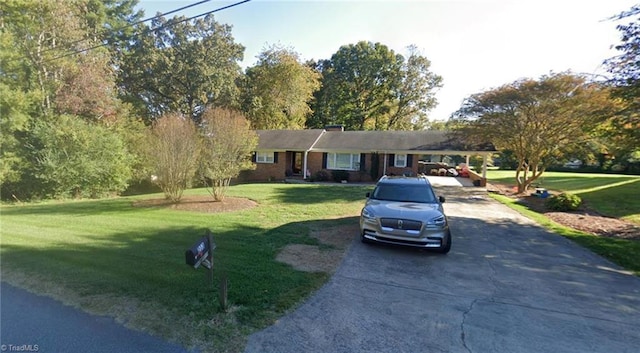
<point x="367" y="194"/>
<point x="441" y="198"/>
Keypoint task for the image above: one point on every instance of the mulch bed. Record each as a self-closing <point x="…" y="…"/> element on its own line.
<point x="200" y="203"/>
<point x="584" y="219"/>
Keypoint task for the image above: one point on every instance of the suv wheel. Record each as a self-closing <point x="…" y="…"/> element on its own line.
<point x="445" y="249"/>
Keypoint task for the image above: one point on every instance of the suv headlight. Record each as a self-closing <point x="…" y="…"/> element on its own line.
<point x="439" y="221"/>
<point x="367" y="214"/>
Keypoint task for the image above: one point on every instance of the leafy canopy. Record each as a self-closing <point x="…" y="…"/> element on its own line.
<point x="183" y="66"/>
<point x="367" y="86"/>
<point x="278" y="89"/>
<point x="539" y="121"/>
<point x="624" y="131"/>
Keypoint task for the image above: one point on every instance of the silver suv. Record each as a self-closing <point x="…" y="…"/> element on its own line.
<point x="405" y="211"/>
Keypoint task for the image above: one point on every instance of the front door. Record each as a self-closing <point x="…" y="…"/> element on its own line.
<point x="297" y="163"/>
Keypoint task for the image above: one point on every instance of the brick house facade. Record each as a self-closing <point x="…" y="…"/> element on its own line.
<point x="365" y="155"/>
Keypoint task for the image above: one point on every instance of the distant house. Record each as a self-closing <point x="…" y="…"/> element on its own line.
<point x="301" y="153"/>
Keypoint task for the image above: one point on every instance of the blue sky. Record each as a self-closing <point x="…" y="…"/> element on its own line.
<point x="474" y="45"/>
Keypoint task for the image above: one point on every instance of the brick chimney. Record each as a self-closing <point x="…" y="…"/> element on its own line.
<point x="334" y="128"/>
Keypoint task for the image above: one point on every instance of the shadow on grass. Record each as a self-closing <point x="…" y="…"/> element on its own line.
<point x="148" y="266"/>
<point x="571" y="183"/>
<point x="616" y="201"/>
<point x="308" y="194"/>
<point x="81" y="207"/>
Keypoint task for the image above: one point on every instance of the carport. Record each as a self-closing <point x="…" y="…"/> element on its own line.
<point x="449" y="181"/>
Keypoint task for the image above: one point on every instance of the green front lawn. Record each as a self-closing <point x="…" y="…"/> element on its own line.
<point x="613" y="195"/>
<point x="109" y="257"/>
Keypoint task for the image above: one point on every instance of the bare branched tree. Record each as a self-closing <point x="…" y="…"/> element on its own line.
<point x="227" y="145"/>
<point x="173" y="150"/>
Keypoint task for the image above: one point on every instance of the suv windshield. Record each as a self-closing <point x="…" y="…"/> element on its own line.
<point x="404" y="193"/>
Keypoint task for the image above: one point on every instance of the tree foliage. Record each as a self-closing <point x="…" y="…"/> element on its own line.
<point x="537" y="120"/>
<point x="183" y="66"/>
<point x="43" y="81"/>
<point x="173" y="151"/>
<point x="226" y="148"/>
<point x="278" y="89"/>
<point x="415" y="96"/>
<point x="623" y="132"/>
<point x="367" y="86"/>
<point x="79" y="159"/>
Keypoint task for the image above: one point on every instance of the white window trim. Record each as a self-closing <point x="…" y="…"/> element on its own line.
<point x="265" y="157"/>
<point x="354" y="161"/>
<point x="404" y="161"/>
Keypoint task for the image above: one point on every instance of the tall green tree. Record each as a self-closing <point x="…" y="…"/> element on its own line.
<point x="539" y="121"/>
<point x="415" y="96"/>
<point x="42" y="77"/>
<point x="623" y="131"/>
<point x="278" y="89"/>
<point x="39" y="33"/>
<point x="180" y="65"/>
<point x="367" y="86"/>
<point x="358" y="85"/>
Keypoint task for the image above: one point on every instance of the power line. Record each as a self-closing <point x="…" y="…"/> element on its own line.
<point x="137" y="23"/>
<point x="166" y="25"/>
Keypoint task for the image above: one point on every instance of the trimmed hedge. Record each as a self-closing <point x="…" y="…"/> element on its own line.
<point x="564" y="202"/>
<point x="340" y="175"/>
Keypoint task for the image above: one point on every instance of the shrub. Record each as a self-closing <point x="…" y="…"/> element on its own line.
<point x="340" y="175"/>
<point x="172" y="150"/>
<point x="228" y="141"/>
<point x="79" y="159"/>
<point x="321" y="175"/>
<point x="564" y="202"/>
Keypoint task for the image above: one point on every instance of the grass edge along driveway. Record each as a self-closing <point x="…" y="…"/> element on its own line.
<point x="611" y="194"/>
<point x="110" y="258"/>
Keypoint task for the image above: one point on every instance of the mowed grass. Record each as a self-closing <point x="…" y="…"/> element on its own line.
<point x="613" y="195"/>
<point x="111" y="258"/>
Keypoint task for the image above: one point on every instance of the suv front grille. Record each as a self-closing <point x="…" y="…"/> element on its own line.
<point x="403" y="224"/>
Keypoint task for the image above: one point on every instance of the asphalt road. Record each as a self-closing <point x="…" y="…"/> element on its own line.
<point x="33" y="323"/>
<point x="506" y="286"/>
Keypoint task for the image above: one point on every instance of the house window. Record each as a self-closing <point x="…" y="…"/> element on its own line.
<point x="400" y="161"/>
<point x="343" y="161"/>
<point x="264" y="157"/>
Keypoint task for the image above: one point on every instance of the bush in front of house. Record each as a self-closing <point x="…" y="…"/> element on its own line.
<point x="564" y="202"/>
<point x="321" y="175"/>
<point x="340" y="175"/>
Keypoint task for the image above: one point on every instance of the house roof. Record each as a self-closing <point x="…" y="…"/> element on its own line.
<point x="381" y="141"/>
<point x="320" y="140"/>
<point x="287" y="140"/>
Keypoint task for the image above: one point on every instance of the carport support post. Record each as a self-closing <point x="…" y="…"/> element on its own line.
<point x="304" y="171"/>
<point x="384" y="165"/>
<point x="484" y="166"/>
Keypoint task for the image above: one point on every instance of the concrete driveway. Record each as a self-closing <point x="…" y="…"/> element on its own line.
<point x="506" y="286"/>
